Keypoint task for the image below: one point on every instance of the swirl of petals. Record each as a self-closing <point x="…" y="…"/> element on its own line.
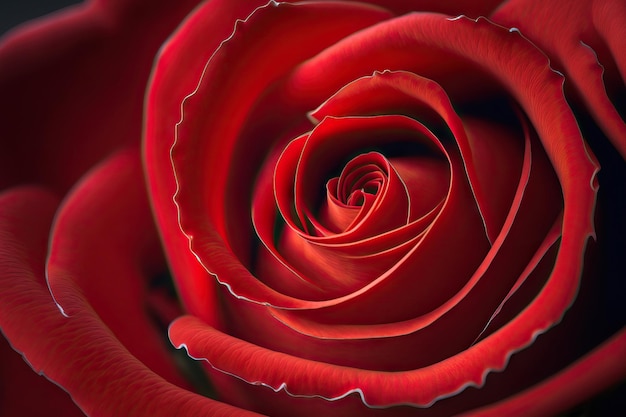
<point x="80" y="353"/>
<point x="386" y="90"/>
<point x="204" y="228"/>
<point x="401" y="88"/>
<point x="523" y="71"/>
<point x="532" y="183"/>
<point x="397" y="253"/>
<point x="298" y="169"/>
<point x="350" y="196"/>
<point x="354" y="257"/>
<point x="372" y="252"/>
<point x="259" y="293"/>
<point x="277" y="272"/>
<point x="586" y="28"/>
<point x="505" y="269"/>
<point x="374" y="187"/>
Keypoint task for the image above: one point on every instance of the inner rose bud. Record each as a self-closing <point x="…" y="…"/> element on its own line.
<point x="366" y="180"/>
<point x="353" y="194"/>
<point x="385" y="178"/>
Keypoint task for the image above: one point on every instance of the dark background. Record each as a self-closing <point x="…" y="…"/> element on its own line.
<point x="14" y="12"/>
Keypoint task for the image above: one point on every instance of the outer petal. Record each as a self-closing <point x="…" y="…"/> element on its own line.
<point x="23" y="393"/>
<point x="79" y="353"/>
<point x="589" y="46"/>
<point x="188" y="49"/>
<point x="103" y="242"/>
<point x="315" y="388"/>
<point x="587" y="377"/>
<point x="73" y="86"/>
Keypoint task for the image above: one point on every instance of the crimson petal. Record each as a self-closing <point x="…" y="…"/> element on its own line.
<point x="195" y="284"/>
<point x="585" y="28"/>
<point x="80" y="353"/>
<point x="103" y="243"/>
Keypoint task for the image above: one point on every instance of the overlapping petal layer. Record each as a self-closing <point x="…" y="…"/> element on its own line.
<point x="163" y="113"/>
<point x="588" y="47"/>
<point x="340" y="390"/>
<point x="292" y="293"/>
<point x="81" y="351"/>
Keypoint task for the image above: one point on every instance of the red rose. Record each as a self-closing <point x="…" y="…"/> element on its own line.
<point x="364" y="210"/>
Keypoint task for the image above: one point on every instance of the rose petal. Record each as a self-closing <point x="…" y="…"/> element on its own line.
<point x="79" y="353"/>
<point x="336" y="389"/>
<point x="19" y="386"/>
<point x="163" y="113"/>
<point x="103" y="243"/>
<point x="587" y="377"/>
<point x="584" y="26"/>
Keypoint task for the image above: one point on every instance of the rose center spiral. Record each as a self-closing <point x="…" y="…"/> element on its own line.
<point x="361" y="179"/>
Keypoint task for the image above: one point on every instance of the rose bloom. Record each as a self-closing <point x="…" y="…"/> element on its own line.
<point x="317" y="208"/>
